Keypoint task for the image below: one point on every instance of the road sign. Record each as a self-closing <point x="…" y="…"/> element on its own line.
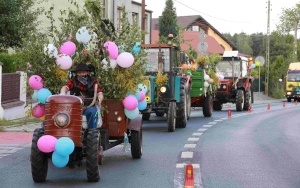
<point x="260" y="59"/>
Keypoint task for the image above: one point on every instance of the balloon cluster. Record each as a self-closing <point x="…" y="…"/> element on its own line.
<point x="61" y="149"/>
<point x="134" y="103"/>
<point x="40" y="94"/>
<point x="252" y="66"/>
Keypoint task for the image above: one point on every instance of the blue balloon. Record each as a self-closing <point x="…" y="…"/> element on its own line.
<point x="59" y="161"/>
<point x="142" y="105"/>
<point x="136" y="49"/>
<point x="142" y="87"/>
<point x="64" y="146"/>
<point x="43" y="94"/>
<point x="35" y="95"/>
<point x="132" y="114"/>
<point x="137" y="95"/>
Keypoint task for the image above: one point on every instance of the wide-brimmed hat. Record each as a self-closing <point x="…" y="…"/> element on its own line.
<point x="81" y="67"/>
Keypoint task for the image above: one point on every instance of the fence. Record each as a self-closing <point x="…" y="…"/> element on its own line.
<point x="13" y="95"/>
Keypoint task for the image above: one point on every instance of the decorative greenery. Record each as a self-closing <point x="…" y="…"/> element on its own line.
<point x="115" y="83"/>
<point x="161" y="79"/>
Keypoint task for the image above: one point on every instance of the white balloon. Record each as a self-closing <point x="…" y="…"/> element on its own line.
<point x="83" y="36"/>
<point x="104" y="64"/>
<point x="221" y="77"/>
<point x="113" y="63"/>
<point x="206" y="84"/>
<point x="51" y="51"/>
<point x="206" y="77"/>
<point x="210" y="81"/>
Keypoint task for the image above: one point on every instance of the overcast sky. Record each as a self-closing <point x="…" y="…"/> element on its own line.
<point x="229" y="16"/>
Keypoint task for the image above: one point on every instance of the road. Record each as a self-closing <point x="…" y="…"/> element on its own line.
<point x="257" y="149"/>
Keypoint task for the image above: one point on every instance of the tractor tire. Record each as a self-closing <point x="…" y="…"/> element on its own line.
<point x="159" y="114"/>
<point x="146" y="116"/>
<point x="217" y="106"/>
<point x="136" y="144"/>
<point x="181" y="112"/>
<point x="92" y="150"/>
<point x="38" y="159"/>
<point x="289" y="99"/>
<point x="239" y="101"/>
<point x="207" y="106"/>
<point x="189" y="103"/>
<point x="248" y="99"/>
<point x="171" y="117"/>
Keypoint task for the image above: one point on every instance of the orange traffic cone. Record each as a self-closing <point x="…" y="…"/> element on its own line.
<point x="268" y="108"/>
<point x="283" y="104"/>
<point x="249" y="109"/>
<point x="229" y="113"/>
<point x="189" y="176"/>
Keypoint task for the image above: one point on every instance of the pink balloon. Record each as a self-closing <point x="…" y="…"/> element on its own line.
<point x="130" y="102"/>
<point x="38" y="110"/>
<point x="35" y="82"/>
<point x="68" y="48"/>
<point x="64" y="62"/>
<point x="46" y="143"/>
<point x="125" y="59"/>
<point x="142" y="96"/>
<point x="112" y="49"/>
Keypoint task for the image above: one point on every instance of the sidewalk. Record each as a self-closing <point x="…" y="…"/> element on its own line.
<point x="259" y="98"/>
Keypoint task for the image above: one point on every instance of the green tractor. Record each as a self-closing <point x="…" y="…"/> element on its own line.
<point x="173" y="90"/>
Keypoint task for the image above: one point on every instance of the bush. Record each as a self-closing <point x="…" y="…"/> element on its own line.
<point x="9" y="62"/>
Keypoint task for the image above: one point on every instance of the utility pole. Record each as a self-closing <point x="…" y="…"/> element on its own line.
<point x="143" y="17"/>
<point x="295" y="39"/>
<point x="267" y="53"/>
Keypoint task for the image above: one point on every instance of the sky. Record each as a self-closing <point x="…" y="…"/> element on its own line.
<point x="229" y="16"/>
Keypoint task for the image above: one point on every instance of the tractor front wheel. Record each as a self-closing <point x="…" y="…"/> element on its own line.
<point x="182" y="111"/>
<point x="172" y="117"/>
<point x="207" y="106"/>
<point x="136" y="144"/>
<point x="239" y="100"/>
<point x="92" y="150"/>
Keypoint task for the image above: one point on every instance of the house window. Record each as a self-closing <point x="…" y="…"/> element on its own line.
<point x="195" y="28"/>
<point x="135" y="17"/>
<point x="119" y="17"/>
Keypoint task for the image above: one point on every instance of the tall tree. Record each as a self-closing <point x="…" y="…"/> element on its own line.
<point x="17" y="18"/>
<point x="168" y="23"/>
<point x="244" y="43"/>
<point x="289" y="21"/>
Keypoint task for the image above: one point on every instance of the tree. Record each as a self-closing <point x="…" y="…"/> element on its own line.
<point x="244" y="43"/>
<point x="289" y="21"/>
<point x="17" y="19"/>
<point x="168" y="23"/>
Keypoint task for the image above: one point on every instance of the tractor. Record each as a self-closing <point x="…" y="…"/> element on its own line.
<point x="63" y="118"/>
<point x="235" y="85"/>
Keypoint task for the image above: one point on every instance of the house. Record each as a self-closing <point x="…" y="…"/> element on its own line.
<point x="202" y="35"/>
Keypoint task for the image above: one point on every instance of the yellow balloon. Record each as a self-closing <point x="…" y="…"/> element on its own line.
<point x="257" y="63"/>
<point x="42" y="118"/>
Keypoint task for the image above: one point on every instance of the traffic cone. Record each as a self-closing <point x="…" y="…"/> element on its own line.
<point x="249" y="109"/>
<point x="283" y="103"/>
<point x="189" y="176"/>
<point x="296" y="102"/>
<point x="229" y="113"/>
<point x="268" y="108"/>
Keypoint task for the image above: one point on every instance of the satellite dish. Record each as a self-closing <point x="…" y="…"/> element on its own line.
<point x="260" y="59"/>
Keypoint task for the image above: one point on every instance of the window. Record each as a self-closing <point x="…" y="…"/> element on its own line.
<point x="119" y="18"/>
<point x="135" y="17"/>
<point x="195" y="28"/>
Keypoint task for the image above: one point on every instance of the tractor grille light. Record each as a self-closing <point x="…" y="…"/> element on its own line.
<point x="288" y="93"/>
<point x="61" y="120"/>
<point x="163" y="89"/>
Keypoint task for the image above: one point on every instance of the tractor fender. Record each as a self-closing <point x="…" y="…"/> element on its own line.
<point x="135" y="124"/>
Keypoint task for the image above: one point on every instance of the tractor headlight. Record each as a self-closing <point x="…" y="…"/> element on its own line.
<point x="61" y="120"/>
<point x="224" y="86"/>
<point x="163" y="89"/>
<point x="288" y="93"/>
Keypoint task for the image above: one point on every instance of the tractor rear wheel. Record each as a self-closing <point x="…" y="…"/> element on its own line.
<point x="92" y="147"/>
<point x="248" y="98"/>
<point x="181" y="112"/>
<point x="38" y="159"/>
<point x="146" y="116"/>
<point x="207" y="106"/>
<point x="189" y="103"/>
<point x="171" y="117"/>
<point x="159" y="114"/>
<point x="136" y="143"/>
<point x="239" y="103"/>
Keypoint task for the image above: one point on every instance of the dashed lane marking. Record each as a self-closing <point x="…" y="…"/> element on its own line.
<point x="212" y="123"/>
<point x="189" y="145"/>
<point x="182" y="165"/>
<point x="202" y="130"/>
<point x="197" y="134"/>
<point x="187" y="155"/>
<point x="207" y="126"/>
<point x="193" y="139"/>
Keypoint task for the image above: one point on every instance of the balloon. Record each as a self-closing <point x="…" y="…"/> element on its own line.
<point x="43" y="94"/>
<point x="64" y="62"/>
<point x="83" y="36"/>
<point x="206" y="77"/>
<point x="130" y="102"/>
<point x="142" y="105"/>
<point x="38" y="111"/>
<point x="34" y="95"/>
<point x="59" y="161"/>
<point x="132" y="114"/>
<point x="113" y="63"/>
<point x="112" y="49"/>
<point x="125" y="59"/>
<point x="142" y="96"/>
<point x="35" y="82"/>
<point x="206" y="84"/>
<point x="142" y="87"/>
<point x="46" y="143"/>
<point x="210" y="81"/>
<point x="136" y="49"/>
<point x="257" y="63"/>
<point x="137" y="95"/>
<point x="50" y="50"/>
<point x="68" y="48"/>
<point x="64" y="146"/>
<point x="104" y="64"/>
<point x="185" y="66"/>
<point x="253" y="65"/>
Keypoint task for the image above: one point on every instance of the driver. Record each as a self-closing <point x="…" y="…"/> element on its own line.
<point x="82" y="84"/>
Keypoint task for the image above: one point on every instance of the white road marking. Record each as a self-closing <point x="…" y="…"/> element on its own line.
<point x="193" y="139"/>
<point x="207" y="126"/>
<point x="202" y="130"/>
<point x="190" y="145"/>
<point x="212" y="123"/>
<point x="187" y="155"/>
<point x="197" y="134"/>
<point x="182" y="165"/>
<point x="219" y="120"/>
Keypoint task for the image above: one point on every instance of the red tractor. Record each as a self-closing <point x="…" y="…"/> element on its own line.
<point x="235" y="86"/>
